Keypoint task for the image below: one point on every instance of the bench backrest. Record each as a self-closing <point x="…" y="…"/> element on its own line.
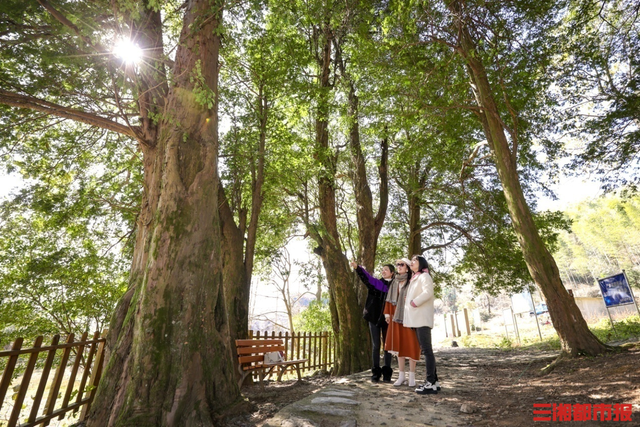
<point x="252" y="351"/>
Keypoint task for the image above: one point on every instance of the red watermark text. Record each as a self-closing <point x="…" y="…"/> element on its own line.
<point x="580" y="412"/>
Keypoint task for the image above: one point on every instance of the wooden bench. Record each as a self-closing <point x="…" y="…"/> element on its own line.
<point x="251" y="358"/>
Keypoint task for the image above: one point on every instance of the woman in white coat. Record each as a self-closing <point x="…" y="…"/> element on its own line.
<point x="418" y="315"/>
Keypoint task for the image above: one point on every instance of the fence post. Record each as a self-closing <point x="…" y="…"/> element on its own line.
<point x="87" y="368"/>
<point x="466" y="321"/>
<point x="95" y="376"/>
<point x="304" y="350"/>
<point x="24" y="385"/>
<point x="316" y="358"/>
<point x="74" y="372"/>
<point x="446" y="330"/>
<point x="8" y="370"/>
<point x="311" y="357"/>
<point x="325" y="343"/>
<point x="57" y="380"/>
<point x="310" y="351"/>
<point x="284" y="341"/>
<point x="43" y="379"/>
<point x="453" y="324"/>
<point x="287" y="345"/>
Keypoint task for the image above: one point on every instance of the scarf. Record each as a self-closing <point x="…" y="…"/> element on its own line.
<point x="393" y="298"/>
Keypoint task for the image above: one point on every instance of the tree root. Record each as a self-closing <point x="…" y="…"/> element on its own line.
<point x="551" y="366"/>
<point x="565" y="356"/>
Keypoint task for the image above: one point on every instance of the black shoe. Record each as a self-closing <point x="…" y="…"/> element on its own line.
<point x="427" y="388"/>
<point x="375" y="374"/>
<point x="386" y="374"/>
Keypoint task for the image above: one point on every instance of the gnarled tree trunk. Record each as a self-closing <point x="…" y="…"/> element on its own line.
<point x="170" y="358"/>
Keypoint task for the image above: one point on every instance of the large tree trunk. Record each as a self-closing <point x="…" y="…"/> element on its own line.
<point x="575" y="336"/>
<point x="170" y="359"/>
<point x="349" y="327"/>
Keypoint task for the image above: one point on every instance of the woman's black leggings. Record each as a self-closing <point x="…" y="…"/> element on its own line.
<point x="375" y="344"/>
<point x="424" y="338"/>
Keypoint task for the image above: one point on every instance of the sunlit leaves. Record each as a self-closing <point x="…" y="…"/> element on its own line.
<point x="603" y="240"/>
<point x="598" y="79"/>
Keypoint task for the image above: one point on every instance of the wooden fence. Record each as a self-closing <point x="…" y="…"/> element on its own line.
<point x="318" y="347"/>
<point x="89" y="353"/>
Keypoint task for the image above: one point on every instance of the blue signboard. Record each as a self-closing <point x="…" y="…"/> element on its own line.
<point x="615" y="290"/>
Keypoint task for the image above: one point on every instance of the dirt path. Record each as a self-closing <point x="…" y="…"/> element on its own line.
<point x="496" y="388"/>
<point x="504" y="386"/>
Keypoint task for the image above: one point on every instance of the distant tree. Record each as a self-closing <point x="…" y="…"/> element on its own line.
<point x="323" y="27"/>
<point x="316" y="317"/>
<point x="254" y="153"/>
<point x="603" y="240"/>
<point x="598" y="75"/>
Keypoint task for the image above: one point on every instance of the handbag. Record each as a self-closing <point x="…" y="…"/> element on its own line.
<point x="273" y="357"/>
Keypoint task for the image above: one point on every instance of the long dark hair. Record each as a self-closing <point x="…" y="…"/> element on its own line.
<point x="422" y="263"/>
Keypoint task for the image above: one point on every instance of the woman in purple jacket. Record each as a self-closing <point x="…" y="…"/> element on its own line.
<point x="373" y="313"/>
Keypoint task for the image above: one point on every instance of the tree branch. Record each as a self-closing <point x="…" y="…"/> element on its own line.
<point x="384" y="183"/>
<point x="473" y="155"/>
<point x="64" y="21"/>
<point x="446" y="224"/>
<point x="32" y="103"/>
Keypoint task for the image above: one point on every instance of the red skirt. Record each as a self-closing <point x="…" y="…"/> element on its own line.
<point x="400" y="341"/>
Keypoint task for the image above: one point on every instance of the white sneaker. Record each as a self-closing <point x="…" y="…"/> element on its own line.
<point x="400" y="380"/>
<point x="412" y="379"/>
<point x="427" y="388"/>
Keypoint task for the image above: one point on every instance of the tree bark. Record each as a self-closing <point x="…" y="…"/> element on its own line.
<point x="575" y="336"/>
<point x="170" y="356"/>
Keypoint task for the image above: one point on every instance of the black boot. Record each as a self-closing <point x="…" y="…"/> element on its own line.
<point x="386" y="374"/>
<point x="375" y="374"/>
